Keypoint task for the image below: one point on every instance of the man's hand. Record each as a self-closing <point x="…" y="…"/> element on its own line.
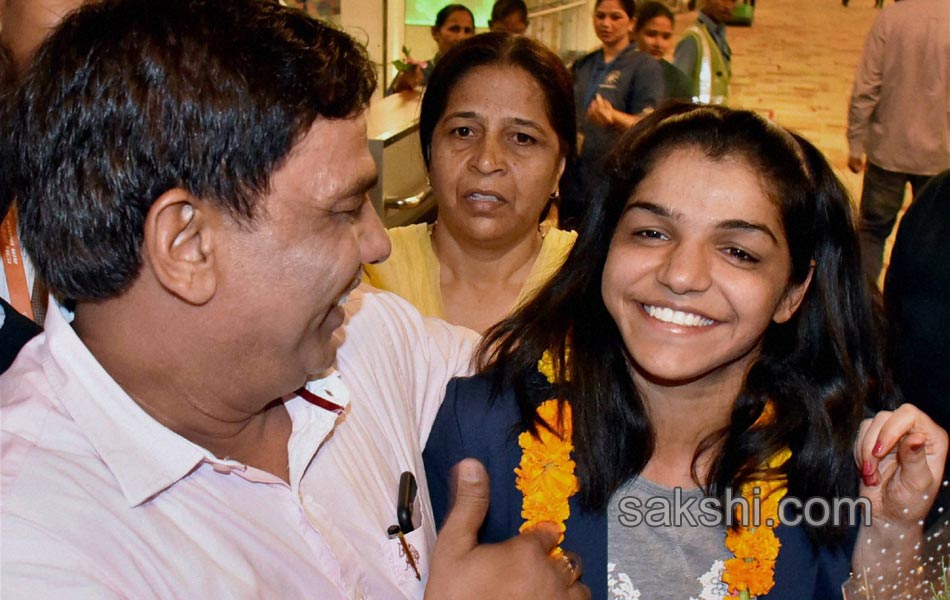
<point x="856" y="164"/>
<point x="518" y="568"/>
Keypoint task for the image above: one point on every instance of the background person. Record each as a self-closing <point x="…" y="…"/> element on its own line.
<point x="898" y="114"/>
<point x="614" y="86"/>
<point x="509" y="16"/>
<point x="23" y="25"/>
<point x="653" y="34"/>
<point x="453" y="24"/>
<point x="916" y="288"/>
<point x="704" y="55"/>
<point x="190" y="409"/>
<point x="15" y="329"/>
<point x="497" y="133"/>
<point x="708" y="333"/>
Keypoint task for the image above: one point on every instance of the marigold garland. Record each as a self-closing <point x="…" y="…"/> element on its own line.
<point x="755" y="548"/>
<point x="545" y="475"/>
<point x="546" y="478"/>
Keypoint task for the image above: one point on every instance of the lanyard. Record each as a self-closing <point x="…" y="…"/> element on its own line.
<point x="13" y="265"/>
<point x="319" y="401"/>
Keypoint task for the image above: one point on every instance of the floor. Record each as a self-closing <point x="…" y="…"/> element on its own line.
<point x="796" y="64"/>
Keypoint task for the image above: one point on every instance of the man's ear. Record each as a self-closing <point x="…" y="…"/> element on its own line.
<point x="179" y="245"/>
<point x="793" y="298"/>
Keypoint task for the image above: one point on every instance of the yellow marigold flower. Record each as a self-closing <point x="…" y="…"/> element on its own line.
<point x="546" y="366"/>
<point x="545" y="475"/>
<point x="752" y="571"/>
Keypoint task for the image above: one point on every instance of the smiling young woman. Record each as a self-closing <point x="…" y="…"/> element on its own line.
<point x="711" y="333"/>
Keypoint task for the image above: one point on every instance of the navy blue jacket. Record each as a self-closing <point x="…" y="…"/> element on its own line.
<point x="469" y="424"/>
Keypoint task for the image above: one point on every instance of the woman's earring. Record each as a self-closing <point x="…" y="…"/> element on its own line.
<point x="555" y="195"/>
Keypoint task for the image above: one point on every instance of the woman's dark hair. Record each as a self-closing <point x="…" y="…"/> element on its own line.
<point x="502" y="8"/>
<point x="447" y="11"/>
<point x="505" y="50"/>
<point x="628" y="6"/>
<point x="651" y="10"/>
<point x="103" y="124"/>
<point x="821" y="370"/>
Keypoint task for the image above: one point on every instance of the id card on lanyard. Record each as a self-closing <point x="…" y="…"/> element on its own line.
<point x="13" y="266"/>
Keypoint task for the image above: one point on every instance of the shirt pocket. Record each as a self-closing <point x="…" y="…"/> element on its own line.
<point x="401" y="566"/>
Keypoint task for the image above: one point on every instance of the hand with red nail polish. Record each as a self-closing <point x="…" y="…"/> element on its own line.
<point x="901" y="454"/>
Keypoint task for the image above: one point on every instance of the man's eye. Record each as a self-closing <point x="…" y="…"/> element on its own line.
<point x="462" y="131"/>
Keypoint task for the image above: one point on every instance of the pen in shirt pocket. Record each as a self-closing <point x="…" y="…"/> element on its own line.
<point x="407" y="516"/>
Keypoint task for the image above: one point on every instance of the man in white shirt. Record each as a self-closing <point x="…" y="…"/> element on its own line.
<point x="197" y="421"/>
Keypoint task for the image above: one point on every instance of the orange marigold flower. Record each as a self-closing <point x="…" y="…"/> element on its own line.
<point x="760" y="543"/>
<point x="756" y="546"/>
<point x="545" y="475"/>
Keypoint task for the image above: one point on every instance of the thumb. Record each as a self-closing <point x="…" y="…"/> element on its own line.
<point x="470" y="499"/>
<point x="915" y="473"/>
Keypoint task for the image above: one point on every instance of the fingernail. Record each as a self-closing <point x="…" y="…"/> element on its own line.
<point x="868" y="480"/>
<point x="469" y="471"/>
<point x="916" y="447"/>
<point x="878" y="448"/>
<point x="867" y="468"/>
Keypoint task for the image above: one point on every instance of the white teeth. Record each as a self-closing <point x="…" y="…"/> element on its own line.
<point x="677" y="317"/>
<point x="484" y="197"/>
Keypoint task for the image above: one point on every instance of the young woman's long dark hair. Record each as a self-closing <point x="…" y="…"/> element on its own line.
<point x="822" y="370"/>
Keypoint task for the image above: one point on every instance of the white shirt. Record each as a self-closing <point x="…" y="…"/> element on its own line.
<point x="99" y="500"/>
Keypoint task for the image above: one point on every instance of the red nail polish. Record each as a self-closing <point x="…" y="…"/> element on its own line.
<point x="878" y="448"/>
<point x="916" y="447"/>
<point x="868" y="480"/>
<point x="867" y="469"/>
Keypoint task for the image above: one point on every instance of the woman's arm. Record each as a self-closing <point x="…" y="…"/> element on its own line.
<point x="603" y="113"/>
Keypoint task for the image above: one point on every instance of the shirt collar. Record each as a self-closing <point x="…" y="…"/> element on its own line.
<point x="146" y="457"/>
<point x="714" y="27"/>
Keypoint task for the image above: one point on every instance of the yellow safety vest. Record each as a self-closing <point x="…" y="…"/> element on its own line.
<point x="712" y="73"/>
